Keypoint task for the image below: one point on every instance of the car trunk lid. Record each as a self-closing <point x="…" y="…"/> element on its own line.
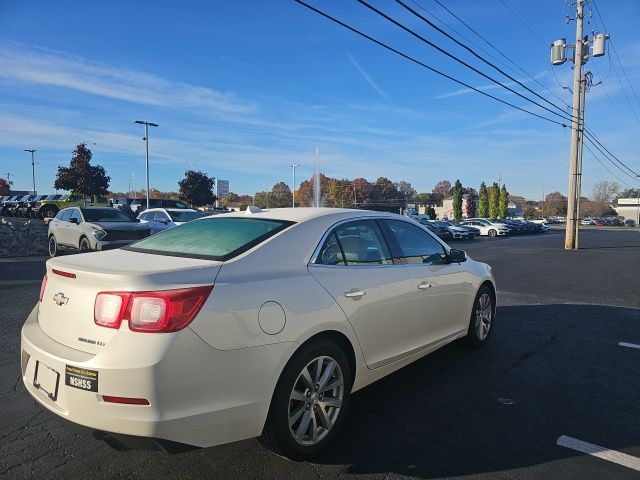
<point x="66" y="310"/>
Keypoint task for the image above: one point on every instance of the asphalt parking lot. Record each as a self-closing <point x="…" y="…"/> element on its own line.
<point x="553" y="368"/>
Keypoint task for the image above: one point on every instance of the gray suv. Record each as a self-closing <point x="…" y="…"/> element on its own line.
<point x="87" y="229"/>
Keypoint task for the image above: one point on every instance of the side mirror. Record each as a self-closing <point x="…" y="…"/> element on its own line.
<point x="456" y="256"/>
<point x="74" y="220"/>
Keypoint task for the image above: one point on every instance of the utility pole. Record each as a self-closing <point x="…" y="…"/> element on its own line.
<point x="293" y="189"/>
<point x="499" y="180"/>
<point x="146" y="141"/>
<point x="33" y="169"/>
<point x="580" y="81"/>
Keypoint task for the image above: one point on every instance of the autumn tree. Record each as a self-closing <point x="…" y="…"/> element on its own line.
<point x="605" y="191"/>
<point x="555" y="204"/>
<point x="5" y="187"/>
<point x="80" y="177"/>
<point x="440" y="191"/>
<point x="457" y="201"/>
<point x="503" y="203"/>
<point x="406" y="190"/>
<point x="494" y="200"/>
<point x="483" y="201"/>
<point x="196" y="188"/>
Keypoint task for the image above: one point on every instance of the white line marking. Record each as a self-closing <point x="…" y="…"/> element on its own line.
<point x="630" y="345"/>
<point x="600" y="452"/>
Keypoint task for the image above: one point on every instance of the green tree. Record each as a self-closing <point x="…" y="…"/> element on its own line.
<point x="280" y="196"/>
<point x="494" y="201"/>
<point x="503" y="202"/>
<point x="422" y="198"/>
<point x="80" y="177"/>
<point x="196" y="188"/>
<point x="457" y="201"/>
<point x="483" y="201"/>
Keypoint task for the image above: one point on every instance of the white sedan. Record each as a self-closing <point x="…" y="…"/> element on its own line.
<point x="486" y="228"/>
<point x="248" y="324"/>
<point x="159" y="219"/>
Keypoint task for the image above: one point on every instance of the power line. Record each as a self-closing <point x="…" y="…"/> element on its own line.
<point x="609" y="156"/>
<point x="480" y="57"/>
<point x="479" y="35"/>
<point x="528" y="27"/>
<point x="462" y="62"/>
<point x="422" y="64"/>
<point x="604" y="166"/>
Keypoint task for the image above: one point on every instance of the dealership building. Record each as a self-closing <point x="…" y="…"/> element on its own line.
<point x="629" y="208"/>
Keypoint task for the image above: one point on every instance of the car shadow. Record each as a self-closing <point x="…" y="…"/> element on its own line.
<point x="548" y="370"/>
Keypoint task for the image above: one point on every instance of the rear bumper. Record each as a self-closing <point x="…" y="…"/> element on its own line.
<point x="198" y="396"/>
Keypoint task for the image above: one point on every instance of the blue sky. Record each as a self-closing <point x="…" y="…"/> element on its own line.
<point x="243" y="89"/>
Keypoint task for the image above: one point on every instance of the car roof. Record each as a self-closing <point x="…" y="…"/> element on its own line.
<point x="303" y="214"/>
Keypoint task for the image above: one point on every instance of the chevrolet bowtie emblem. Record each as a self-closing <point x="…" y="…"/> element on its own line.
<point x="60" y="299"/>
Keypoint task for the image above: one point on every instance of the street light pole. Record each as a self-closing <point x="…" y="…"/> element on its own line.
<point x="293" y="189"/>
<point x="33" y="169"/>
<point x="146" y="141"/>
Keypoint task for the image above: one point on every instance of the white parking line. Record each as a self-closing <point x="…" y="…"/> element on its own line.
<point x="630" y="345"/>
<point x="600" y="452"/>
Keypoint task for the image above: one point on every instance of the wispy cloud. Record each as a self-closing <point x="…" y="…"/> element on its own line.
<point x="368" y="79"/>
<point x="491" y="86"/>
<point x="56" y="69"/>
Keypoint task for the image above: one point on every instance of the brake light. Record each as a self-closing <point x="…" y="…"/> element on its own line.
<point x="155" y="312"/>
<point x="63" y="274"/>
<point x="42" y="287"/>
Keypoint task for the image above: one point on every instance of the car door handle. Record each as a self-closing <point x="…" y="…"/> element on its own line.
<point x="424" y="285"/>
<point x="355" y="293"/>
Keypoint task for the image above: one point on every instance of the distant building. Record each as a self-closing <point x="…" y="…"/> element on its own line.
<point x="446" y="210"/>
<point x="629" y="208"/>
<point x="514" y="209"/>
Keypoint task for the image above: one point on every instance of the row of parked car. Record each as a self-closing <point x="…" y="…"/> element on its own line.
<point x="608" y="221"/>
<point x="470" y="228"/>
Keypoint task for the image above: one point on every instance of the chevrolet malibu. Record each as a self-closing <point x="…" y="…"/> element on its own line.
<point x="255" y="324"/>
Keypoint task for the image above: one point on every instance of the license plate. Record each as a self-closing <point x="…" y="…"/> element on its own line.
<point x="81" y="378"/>
<point x="47" y="380"/>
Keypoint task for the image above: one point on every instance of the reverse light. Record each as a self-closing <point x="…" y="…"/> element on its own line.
<point x="42" y="287"/>
<point x="153" y="312"/>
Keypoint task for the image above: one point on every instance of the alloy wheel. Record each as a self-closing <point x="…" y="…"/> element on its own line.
<point x="53" y="246"/>
<point x="315" y="400"/>
<point x="484" y="315"/>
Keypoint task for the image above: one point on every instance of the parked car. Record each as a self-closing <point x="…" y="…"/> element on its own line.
<point x="456" y="232"/>
<point x="487" y="228"/>
<point x="629" y="223"/>
<point x="140" y="204"/>
<point x="48" y="208"/>
<point x="25" y="208"/>
<point x="441" y="232"/>
<point x="84" y="229"/>
<point x="600" y="222"/>
<point x="588" y="221"/>
<point x="475" y="231"/>
<point x="245" y="325"/>
<point x="158" y="219"/>
<point x="8" y="204"/>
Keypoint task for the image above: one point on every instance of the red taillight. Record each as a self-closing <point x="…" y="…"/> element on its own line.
<point x="42" y="287"/>
<point x="125" y="400"/>
<point x="63" y="274"/>
<point x="156" y="312"/>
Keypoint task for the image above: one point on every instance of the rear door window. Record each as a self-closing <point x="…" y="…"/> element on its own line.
<point x="218" y="238"/>
<point x="355" y="244"/>
<point x="417" y="246"/>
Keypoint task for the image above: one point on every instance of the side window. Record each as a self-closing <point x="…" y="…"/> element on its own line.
<point x="331" y="253"/>
<point x="356" y="243"/>
<point x="144" y="216"/>
<point x="75" y="214"/>
<point x="63" y="215"/>
<point x="417" y="245"/>
<point x="161" y="217"/>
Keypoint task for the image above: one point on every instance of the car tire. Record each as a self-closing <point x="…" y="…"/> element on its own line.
<point x="53" y="247"/>
<point x="300" y="411"/>
<point x="482" y="316"/>
<point x="492" y="233"/>
<point x="84" y="246"/>
<point x="48" y="211"/>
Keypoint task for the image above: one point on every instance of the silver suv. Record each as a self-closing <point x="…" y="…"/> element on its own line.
<point x="87" y="229"/>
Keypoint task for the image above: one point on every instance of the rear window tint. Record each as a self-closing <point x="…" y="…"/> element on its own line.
<point x="211" y="238"/>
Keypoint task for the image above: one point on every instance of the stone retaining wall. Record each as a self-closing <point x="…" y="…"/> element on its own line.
<point x="21" y="237"/>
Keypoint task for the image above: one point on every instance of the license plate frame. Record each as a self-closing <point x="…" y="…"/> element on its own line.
<point x="47" y="380"/>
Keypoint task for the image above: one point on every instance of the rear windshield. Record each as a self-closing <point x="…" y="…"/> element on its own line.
<point x="178" y="216"/>
<point x="211" y="238"/>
